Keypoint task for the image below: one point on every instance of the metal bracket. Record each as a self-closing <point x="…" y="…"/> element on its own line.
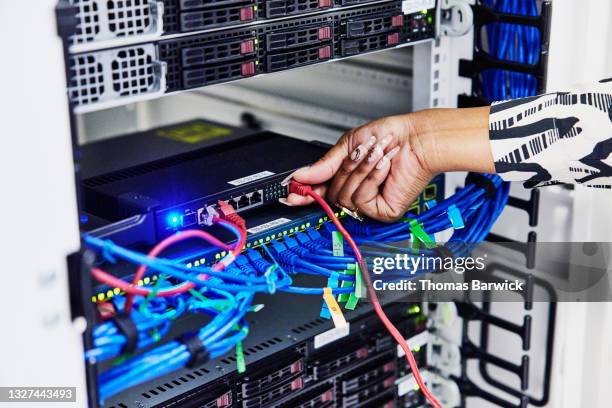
<point x="456" y="18"/>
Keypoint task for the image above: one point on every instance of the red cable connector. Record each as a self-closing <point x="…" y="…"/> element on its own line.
<point x="227" y="212"/>
<point x="299" y="188"/>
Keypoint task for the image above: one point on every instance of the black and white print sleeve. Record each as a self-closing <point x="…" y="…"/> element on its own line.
<point x="562" y="137"/>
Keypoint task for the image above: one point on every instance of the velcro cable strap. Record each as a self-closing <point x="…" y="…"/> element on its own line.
<point x="454" y="215"/>
<point x="483" y="182"/>
<point x="199" y="354"/>
<point x="128" y="329"/>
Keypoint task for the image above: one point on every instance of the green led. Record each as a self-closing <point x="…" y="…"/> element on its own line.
<point x="416" y="309"/>
<point x="429" y="19"/>
<point x="423" y="11"/>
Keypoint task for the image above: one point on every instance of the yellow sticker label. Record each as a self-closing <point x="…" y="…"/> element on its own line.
<point x="195" y="132"/>
<point x="334" y="308"/>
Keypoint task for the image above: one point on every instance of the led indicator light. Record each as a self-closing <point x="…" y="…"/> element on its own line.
<point x="414" y="309"/>
<point x="174" y="220"/>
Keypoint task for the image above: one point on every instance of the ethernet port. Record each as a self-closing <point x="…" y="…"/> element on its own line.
<point x="243" y="201"/>
<point x="256" y="198"/>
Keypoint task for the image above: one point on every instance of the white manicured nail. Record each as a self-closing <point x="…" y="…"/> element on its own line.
<point x="362" y="149"/>
<point x="379" y="149"/>
<point x="386" y="160"/>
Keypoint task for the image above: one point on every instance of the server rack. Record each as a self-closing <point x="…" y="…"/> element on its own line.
<point x="50" y="323"/>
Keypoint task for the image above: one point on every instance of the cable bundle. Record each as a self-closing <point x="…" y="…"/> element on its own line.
<point x="511" y="42"/>
<point x="225" y="290"/>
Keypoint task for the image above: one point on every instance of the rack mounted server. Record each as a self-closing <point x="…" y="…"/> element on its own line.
<point x="281" y="35"/>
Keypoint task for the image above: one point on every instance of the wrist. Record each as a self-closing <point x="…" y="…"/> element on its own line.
<point x="452" y="140"/>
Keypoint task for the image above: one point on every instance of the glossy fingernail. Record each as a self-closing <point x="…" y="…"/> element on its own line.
<point x="362" y="149"/>
<point x="284" y="201"/>
<point x="379" y="149"/>
<point x="287" y="179"/>
<point x="384" y="162"/>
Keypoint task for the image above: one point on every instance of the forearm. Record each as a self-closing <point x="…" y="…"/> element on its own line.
<point x="452" y="139"/>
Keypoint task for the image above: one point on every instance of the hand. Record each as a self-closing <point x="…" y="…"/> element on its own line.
<point x="380" y="168"/>
<point x="377" y="169"/>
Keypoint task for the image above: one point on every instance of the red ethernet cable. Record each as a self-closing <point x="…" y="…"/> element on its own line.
<point x="305" y="190"/>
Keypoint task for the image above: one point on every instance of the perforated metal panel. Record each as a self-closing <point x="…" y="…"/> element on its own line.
<point x="118" y="76"/>
<point x="100" y="20"/>
<point x="132" y="71"/>
<point x="86" y="79"/>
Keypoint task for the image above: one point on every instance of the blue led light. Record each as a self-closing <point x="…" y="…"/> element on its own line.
<point x="174" y="220"/>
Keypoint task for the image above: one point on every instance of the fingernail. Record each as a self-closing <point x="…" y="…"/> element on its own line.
<point x="384" y="162"/>
<point x="287" y="179"/>
<point x="284" y="201"/>
<point x="362" y="149"/>
<point x="379" y="149"/>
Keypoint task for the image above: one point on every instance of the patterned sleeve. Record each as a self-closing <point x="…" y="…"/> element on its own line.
<point x="562" y="137"/>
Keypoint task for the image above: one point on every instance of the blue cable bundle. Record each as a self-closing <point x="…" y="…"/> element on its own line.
<point x="226" y="296"/>
<point x="511" y="42"/>
<point x="226" y="328"/>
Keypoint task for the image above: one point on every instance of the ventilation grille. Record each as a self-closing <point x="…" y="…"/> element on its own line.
<point x="88" y="21"/>
<point x="128" y="17"/>
<point x="177" y="382"/>
<point x="108" y="75"/>
<point x="107" y="19"/>
<point x="132" y="72"/>
<point x="308" y="326"/>
<point x="86" y="80"/>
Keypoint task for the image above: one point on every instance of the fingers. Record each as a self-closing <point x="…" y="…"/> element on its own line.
<point x="344" y="196"/>
<point x="325" y="168"/>
<point x="349" y="165"/>
<point x="367" y="198"/>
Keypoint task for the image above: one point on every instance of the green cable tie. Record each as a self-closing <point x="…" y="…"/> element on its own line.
<point x="419" y="233"/>
<point x="240" y="362"/>
<point x="343" y="297"/>
<point x="352" y="301"/>
<point x="337" y="243"/>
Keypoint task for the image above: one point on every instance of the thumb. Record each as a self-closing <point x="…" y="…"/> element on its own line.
<point x="325" y="168"/>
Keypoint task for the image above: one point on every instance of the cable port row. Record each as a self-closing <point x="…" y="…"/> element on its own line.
<point x="243" y="202"/>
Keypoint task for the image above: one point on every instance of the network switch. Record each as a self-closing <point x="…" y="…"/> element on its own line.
<point x="109" y="77"/>
<point x="180" y="191"/>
